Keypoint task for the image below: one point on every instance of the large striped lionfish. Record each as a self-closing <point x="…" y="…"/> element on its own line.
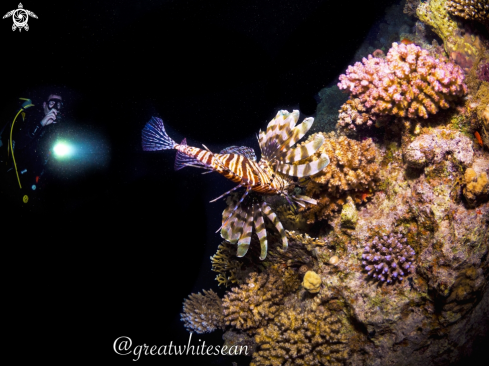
<point x="265" y="177"/>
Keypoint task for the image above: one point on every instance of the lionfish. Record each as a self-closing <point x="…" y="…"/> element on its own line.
<point x="265" y="177"/>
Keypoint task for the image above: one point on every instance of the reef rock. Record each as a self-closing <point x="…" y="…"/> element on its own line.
<point x="432" y="148"/>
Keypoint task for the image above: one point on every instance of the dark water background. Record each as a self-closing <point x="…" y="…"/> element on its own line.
<point x="116" y="246"/>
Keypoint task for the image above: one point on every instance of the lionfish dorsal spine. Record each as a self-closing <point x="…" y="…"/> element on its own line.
<point x="277" y="131"/>
<point x="296" y="134"/>
<point x="304" y="151"/>
<point x="304" y="170"/>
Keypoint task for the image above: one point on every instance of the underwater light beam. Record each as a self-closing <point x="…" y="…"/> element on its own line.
<point x="62" y="150"/>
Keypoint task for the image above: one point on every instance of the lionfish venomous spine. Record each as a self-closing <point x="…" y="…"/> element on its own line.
<point x="265" y="177"/>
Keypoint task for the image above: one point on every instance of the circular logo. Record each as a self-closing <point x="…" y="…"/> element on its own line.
<point x="20" y="18"/>
<point x="25" y="199"/>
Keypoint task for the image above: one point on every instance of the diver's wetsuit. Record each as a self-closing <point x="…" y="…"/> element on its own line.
<point x="31" y="143"/>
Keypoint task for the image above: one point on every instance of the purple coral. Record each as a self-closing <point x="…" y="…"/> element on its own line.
<point x="388" y="258"/>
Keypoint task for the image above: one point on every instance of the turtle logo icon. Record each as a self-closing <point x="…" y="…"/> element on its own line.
<point x="20" y="17"/>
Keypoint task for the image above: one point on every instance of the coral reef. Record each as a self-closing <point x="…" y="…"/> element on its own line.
<point x="408" y="83"/>
<point x="388" y="258"/>
<point x="462" y="44"/>
<point x="398" y="274"/>
<point x="254" y="303"/>
<point x="310" y="337"/>
<point x="202" y="313"/>
<point x="432" y="148"/>
<point x="470" y="9"/>
<point x="312" y="282"/>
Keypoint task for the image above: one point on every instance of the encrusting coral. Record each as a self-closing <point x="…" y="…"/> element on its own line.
<point x="408" y="83"/>
<point x="202" y="313"/>
<point x="312" y="282"/>
<point x="254" y="303"/>
<point x="431" y="148"/>
<point x="388" y="258"/>
<point x="477" y="183"/>
<point x="470" y="9"/>
<point x="302" y="337"/>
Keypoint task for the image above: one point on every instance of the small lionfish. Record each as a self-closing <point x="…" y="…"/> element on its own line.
<point x="238" y="163"/>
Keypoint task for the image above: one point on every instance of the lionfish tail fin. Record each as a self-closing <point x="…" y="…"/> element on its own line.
<point x="155" y="137"/>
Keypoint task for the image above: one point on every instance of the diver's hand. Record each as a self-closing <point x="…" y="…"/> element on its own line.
<point x="49" y="118"/>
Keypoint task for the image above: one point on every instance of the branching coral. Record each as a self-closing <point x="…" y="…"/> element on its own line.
<point x="232" y="269"/>
<point x="353" y="114"/>
<point x="309" y="337"/>
<point x="388" y="258"/>
<point x="408" y="83"/>
<point x="470" y="9"/>
<point x="254" y="303"/>
<point x="202" y="313"/>
<point x="353" y="167"/>
<point x="353" y="164"/>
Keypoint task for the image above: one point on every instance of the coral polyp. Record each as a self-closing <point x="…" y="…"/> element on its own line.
<point x="388" y="258"/>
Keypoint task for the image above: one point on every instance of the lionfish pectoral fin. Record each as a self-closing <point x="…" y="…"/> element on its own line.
<point x="261" y="231"/>
<point x="304" y="169"/>
<point x="245" y="238"/>
<point x="235" y="228"/>
<point x="230" y="214"/>
<point x="182" y="160"/>
<point x="275" y="221"/>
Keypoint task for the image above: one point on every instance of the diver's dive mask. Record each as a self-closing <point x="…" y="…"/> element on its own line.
<point x="55" y="104"/>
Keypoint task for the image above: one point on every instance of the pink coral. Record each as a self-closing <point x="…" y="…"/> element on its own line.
<point x="408" y="83"/>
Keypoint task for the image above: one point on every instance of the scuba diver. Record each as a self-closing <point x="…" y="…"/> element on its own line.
<point x="29" y="138"/>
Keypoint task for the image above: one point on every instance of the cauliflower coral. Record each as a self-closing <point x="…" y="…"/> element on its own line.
<point x="408" y="83"/>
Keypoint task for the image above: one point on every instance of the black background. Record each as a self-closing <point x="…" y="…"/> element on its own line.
<point x="115" y="249"/>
